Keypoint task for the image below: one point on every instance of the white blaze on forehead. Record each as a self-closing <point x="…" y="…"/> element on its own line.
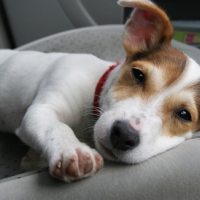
<point x="190" y="75"/>
<point x="156" y="75"/>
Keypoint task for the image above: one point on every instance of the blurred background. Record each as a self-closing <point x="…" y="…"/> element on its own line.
<point x="23" y="21"/>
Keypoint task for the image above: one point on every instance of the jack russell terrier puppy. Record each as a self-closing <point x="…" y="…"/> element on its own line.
<point x="146" y="105"/>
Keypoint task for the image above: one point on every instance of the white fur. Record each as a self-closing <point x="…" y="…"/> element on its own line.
<point x="44" y="102"/>
<point x="47" y="100"/>
<point x="42" y="96"/>
<point x="152" y="140"/>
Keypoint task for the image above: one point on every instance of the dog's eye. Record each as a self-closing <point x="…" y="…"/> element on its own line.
<point x="184" y="115"/>
<point x="138" y="75"/>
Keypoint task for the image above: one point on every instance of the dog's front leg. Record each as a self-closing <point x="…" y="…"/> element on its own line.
<point x="68" y="158"/>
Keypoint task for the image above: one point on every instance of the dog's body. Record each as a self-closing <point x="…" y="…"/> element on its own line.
<point x="31" y="83"/>
<point x="58" y="81"/>
<point x="149" y="104"/>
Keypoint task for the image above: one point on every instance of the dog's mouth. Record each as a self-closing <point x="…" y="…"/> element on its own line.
<point x="107" y="152"/>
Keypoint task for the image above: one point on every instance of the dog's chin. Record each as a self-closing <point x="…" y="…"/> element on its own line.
<point x="115" y="156"/>
<point x="139" y="154"/>
<point x="107" y="153"/>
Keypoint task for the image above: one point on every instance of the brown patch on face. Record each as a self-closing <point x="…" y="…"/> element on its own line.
<point x="196" y="88"/>
<point x="127" y="86"/>
<point x="162" y="67"/>
<point x="171" y="61"/>
<point x="173" y="125"/>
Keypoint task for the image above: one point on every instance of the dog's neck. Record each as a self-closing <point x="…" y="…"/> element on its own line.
<point x="99" y="87"/>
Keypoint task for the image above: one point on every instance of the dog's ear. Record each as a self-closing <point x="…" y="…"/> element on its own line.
<point x="147" y="27"/>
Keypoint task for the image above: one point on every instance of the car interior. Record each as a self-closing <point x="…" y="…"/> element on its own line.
<point x="88" y="26"/>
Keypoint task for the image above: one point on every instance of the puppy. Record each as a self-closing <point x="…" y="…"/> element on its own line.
<point x="144" y="106"/>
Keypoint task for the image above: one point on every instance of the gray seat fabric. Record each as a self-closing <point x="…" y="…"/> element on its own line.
<point x="174" y="174"/>
<point x="11" y="152"/>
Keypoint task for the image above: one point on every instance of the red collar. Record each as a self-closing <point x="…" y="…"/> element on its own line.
<point x="99" y="88"/>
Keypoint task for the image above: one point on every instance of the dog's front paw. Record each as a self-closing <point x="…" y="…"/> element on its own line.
<point x="77" y="164"/>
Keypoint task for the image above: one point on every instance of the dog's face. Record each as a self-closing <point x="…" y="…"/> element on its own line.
<point x="151" y="103"/>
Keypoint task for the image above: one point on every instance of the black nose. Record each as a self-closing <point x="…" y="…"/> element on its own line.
<point x="123" y="136"/>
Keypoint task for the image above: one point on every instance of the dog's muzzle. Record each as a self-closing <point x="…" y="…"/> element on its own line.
<point x="123" y="136"/>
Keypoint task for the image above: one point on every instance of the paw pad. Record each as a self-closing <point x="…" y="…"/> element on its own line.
<point x="85" y="162"/>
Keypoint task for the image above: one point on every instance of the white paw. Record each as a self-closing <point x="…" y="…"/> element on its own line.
<point x="76" y="164"/>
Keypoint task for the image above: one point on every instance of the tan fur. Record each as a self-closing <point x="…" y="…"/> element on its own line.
<point x="161" y="67"/>
<point x="196" y="89"/>
<point x="172" y="125"/>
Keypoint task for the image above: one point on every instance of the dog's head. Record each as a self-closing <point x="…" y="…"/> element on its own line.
<point x="151" y="103"/>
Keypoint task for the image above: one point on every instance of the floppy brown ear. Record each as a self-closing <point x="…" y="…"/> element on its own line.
<point x="147" y="27"/>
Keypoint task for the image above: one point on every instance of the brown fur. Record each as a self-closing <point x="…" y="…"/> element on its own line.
<point x="163" y="59"/>
<point x="171" y="65"/>
<point x="172" y="125"/>
<point x="147" y="41"/>
<point x="196" y="88"/>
